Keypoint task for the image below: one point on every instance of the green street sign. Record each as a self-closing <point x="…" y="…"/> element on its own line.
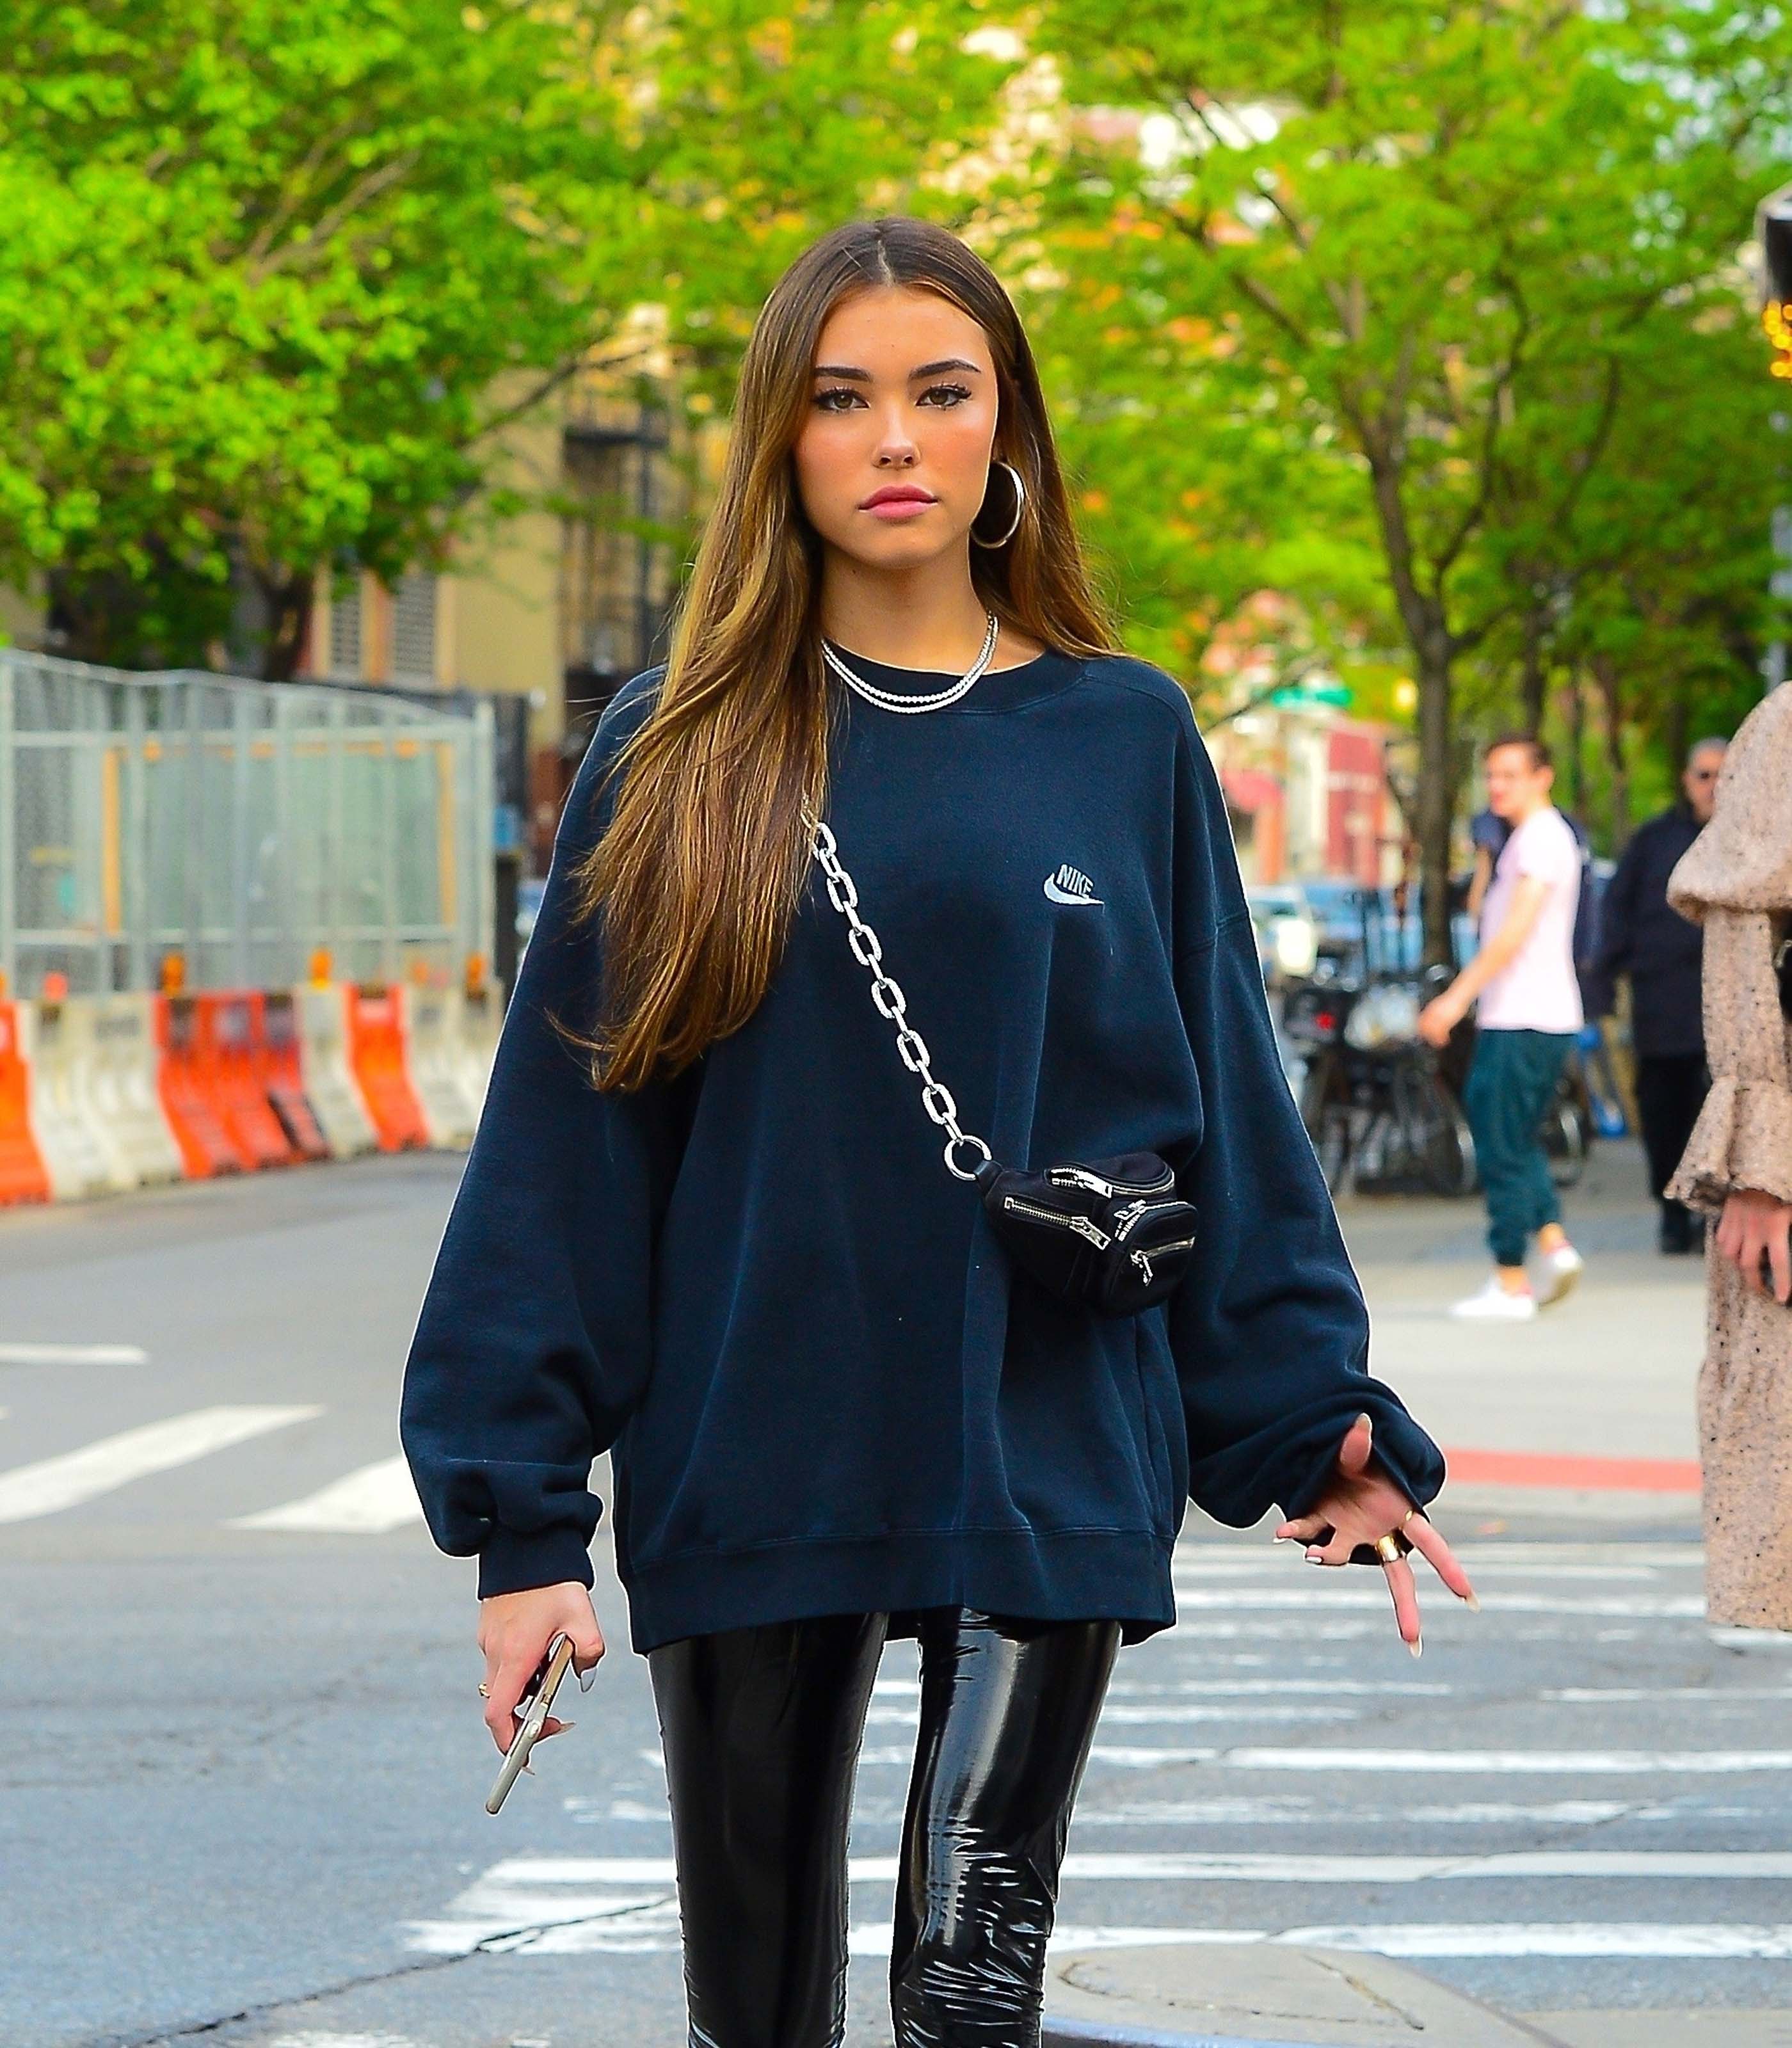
<point x="1298" y="694"/>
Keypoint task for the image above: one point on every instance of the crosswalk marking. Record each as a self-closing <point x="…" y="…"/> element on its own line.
<point x="523" y="1905"/>
<point x="644" y="1922"/>
<point x="1463" y="1837"/>
<point x="63" y="1354"/>
<point x="1167" y="1713"/>
<point x="1664" y="1607"/>
<point x="376" y="1498"/>
<point x="54" y="1483"/>
<point x="1549" y="1762"/>
<point x="520" y="1883"/>
<point x="1253" y="1566"/>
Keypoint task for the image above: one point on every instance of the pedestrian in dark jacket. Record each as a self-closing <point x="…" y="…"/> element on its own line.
<point x="1642" y="936"/>
<point x="708" y="1223"/>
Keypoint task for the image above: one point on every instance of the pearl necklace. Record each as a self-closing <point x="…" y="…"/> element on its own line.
<point x="902" y="700"/>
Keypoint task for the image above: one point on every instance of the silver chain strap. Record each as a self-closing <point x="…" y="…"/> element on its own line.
<point x="935" y="1097"/>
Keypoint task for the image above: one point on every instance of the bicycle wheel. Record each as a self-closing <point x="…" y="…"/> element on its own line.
<point x="1437" y="1152"/>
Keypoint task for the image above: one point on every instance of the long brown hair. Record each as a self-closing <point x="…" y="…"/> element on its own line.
<point x="703" y="864"/>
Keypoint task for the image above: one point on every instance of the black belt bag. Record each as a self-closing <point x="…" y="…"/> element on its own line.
<point x="1110" y="1235"/>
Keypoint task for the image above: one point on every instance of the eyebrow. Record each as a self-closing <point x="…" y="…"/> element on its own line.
<point x="925" y="369"/>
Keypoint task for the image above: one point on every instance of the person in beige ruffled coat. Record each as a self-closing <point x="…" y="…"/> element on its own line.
<point x="1736" y="879"/>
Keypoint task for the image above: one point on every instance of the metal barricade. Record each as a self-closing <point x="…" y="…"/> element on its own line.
<point x="243" y="826"/>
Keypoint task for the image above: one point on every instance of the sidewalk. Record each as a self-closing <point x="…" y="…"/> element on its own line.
<point x="1229" y="1995"/>
<point x="1604" y="1377"/>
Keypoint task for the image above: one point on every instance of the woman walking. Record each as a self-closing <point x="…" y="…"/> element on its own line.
<point x="896" y="836"/>
<point x="1736" y="879"/>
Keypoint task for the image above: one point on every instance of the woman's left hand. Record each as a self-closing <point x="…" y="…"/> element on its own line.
<point x="1361" y="1504"/>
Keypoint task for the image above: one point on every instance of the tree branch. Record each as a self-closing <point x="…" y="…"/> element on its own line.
<point x="363" y="190"/>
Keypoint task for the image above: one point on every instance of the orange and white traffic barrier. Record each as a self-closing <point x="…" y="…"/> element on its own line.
<point x="229" y="1030"/>
<point x="24" y="1178"/>
<point x="183" y="1085"/>
<point x="431" y="1020"/>
<point x="112" y="1057"/>
<point x="320" y="1014"/>
<point x="76" y="1162"/>
<point x="282" y="1076"/>
<point x="481" y="1018"/>
<point x="377" y="1058"/>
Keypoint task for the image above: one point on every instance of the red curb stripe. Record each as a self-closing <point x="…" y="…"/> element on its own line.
<point x="1554" y="1468"/>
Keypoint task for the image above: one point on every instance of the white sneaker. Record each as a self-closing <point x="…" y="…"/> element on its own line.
<point x="1494" y="1304"/>
<point x="1560" y="1269"/>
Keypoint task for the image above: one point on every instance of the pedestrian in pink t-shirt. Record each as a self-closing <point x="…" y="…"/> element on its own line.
<point x="1528" y="1015"/>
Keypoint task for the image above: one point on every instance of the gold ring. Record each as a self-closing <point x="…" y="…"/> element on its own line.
<point x="1387" y="1548"/>
<point x="1408" y="1516"/>
<point x="484" y="1692"/>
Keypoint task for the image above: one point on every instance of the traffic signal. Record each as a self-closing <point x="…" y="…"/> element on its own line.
<point x="1776" y="253"/>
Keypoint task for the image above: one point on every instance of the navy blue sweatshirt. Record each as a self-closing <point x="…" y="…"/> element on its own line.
<point x="756" y="1285"/>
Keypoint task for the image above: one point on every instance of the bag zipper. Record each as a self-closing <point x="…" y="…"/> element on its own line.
<point x="1142" y="1260"/>
<point x="1080" y="1224"/>
<point x="1134" y="1212"/>
<point x="1080" y="1177"/>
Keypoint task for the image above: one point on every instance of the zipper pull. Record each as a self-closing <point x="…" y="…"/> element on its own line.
<point x="1142" y="1261"/>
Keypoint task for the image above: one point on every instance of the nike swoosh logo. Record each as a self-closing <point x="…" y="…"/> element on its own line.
<point x="1064" y="896"/>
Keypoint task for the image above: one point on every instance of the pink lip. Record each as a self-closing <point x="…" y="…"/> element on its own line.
<point x="899" y="499"/>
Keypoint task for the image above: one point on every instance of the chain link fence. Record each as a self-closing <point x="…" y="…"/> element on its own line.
<point x="241" y="825"/>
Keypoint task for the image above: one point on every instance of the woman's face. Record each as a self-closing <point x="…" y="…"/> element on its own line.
<point x="902" y="398"/>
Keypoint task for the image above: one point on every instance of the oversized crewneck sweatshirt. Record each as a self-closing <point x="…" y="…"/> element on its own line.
<point x="824" y="1387"/>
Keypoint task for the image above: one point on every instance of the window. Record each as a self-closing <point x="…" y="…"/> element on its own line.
<point x="413" y="628"/>
<point x="345" y="632"/>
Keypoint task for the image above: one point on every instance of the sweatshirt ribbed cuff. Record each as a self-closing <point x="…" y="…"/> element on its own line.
<point x="512" y="1562"/>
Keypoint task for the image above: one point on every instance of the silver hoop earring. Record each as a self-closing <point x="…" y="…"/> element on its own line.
<point x="1020" y="501"/>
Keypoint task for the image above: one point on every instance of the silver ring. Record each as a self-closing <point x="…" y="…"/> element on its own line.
<point x="963" y="1137"/>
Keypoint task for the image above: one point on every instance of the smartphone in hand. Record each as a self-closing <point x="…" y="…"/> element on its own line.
<point x="534" y="1709"/>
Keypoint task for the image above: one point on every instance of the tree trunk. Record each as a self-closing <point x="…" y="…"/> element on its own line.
<point x="1533" y="675"/>
<point x="1427" y="625"/>
<point x="1605" y="674"/>
<point x="1437" y="794"/>
<point x="1577" y="743"/>
<point x="1679" y="729"/>
<point x="289" y="601"/>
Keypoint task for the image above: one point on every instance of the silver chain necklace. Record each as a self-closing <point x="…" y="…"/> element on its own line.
<point x="902" y="700"/>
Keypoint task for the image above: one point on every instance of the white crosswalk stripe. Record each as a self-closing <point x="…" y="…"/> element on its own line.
<point x="1458" y="1842"/>
<point x="68" y="1354"/>
<point x="52" y="1484"/>
<point x="377" y="1498"/>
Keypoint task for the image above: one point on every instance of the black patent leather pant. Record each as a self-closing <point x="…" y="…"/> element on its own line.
<point x="762" y="1728"/>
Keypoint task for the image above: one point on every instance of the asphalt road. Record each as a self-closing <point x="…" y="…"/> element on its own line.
<point x="241" y="1787"/>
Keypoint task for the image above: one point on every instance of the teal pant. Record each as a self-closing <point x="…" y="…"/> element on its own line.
<point x="1510" y="1083"/>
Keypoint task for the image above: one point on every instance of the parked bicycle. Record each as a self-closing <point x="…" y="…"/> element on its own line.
<point x="1373" y="1098"/>
<point x="1384" y="1110"/>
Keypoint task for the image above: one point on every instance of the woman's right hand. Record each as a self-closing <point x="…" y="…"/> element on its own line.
<point x="515" y="1629"/>
<point x="1757" y="1226"/>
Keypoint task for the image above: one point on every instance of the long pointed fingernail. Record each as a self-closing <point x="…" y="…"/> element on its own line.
<point x="1417" y="1645"/>
<point x="1472" y="1602"/>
